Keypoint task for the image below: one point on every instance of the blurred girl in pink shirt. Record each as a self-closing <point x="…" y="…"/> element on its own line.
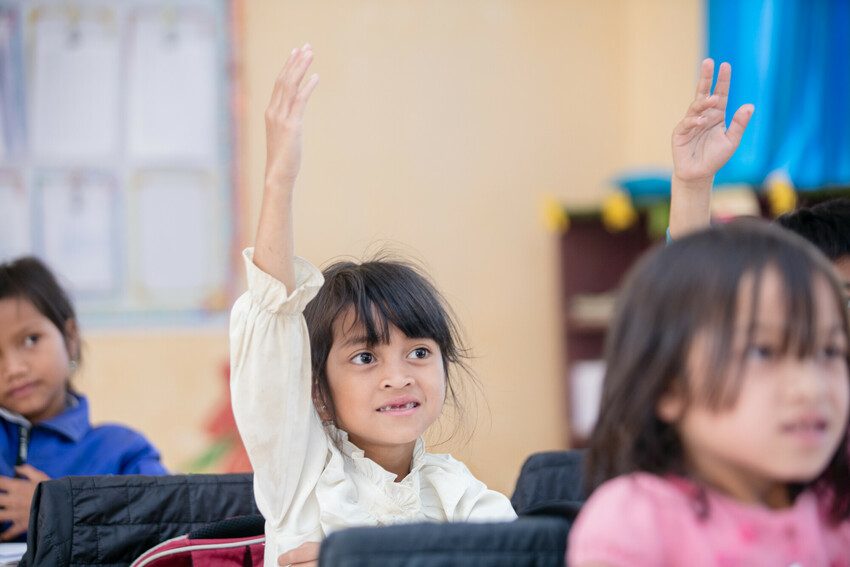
<point x="722" y="438"/>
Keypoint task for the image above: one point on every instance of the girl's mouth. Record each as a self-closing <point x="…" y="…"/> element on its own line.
<point x="399" y="409"/>
<point x="809" y="430"/>
<point x="21" y="391"/>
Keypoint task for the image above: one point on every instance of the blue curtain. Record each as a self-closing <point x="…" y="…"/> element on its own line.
<point x="791" y="58"/>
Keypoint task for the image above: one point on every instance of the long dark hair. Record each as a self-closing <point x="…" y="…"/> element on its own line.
<point x="382" y="292"/>
<point x="676" y="292"/>
<point x="29" y="278"/>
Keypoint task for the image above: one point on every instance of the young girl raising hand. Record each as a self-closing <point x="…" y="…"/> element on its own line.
<point x="723" y="430"/>
<point x="336" y="375"/>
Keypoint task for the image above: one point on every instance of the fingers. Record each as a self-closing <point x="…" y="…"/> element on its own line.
<point x="13" y="531"/>
<point x="8" y="484"/>
<point x="304" y="554"/>
<point x="696" y="115"/>
<point x="721" y="89"/>
<point x="29" y="472"/>
<point x="706" y="74"/>
<point x="296" y="74"/>
<point x="286" y="86"/>
<point x="739" y="123"/>
<point x="304" y="94"/>
<point x="277" y="91"/>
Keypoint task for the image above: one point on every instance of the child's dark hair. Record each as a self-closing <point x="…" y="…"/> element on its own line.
<point x="381" y="292"/>
<point x="29" y="278"/>
<point x="677" y="292"/>
<point x="826" y="225"/>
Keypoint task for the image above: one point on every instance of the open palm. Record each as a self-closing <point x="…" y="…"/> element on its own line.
<point x="701" y="142"/>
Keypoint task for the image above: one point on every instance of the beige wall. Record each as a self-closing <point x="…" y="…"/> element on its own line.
<point x="437" y="127"/>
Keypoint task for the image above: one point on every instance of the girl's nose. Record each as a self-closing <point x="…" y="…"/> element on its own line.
<point x="396" y="376"/>
<point x="806" y="381"/>
<point x="11" y="366"/>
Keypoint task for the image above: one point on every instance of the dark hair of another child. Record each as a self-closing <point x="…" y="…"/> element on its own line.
<point x="381" y="293"/>
<point x="28" y="278"/>
<point x="687" y="288"/>
<point x="826" y="225"/>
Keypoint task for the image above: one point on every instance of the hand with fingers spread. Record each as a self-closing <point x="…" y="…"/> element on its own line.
<point x="305" y="555"/>
<point x="702" y="144"/>
<point x="16" y="498"/>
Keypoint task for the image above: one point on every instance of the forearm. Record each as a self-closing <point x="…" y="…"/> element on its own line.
<point x="690" y="205"/>
<point x="274" y="249"/>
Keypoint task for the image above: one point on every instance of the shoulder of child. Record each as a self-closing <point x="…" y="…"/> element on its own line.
<point x="622" y="523"/>
<point x="132" y="451"/>
<point x="272" y="294"/>
<point x="461" y="495"/>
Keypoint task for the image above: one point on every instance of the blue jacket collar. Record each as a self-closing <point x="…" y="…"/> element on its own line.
<point x="72" y="423"/>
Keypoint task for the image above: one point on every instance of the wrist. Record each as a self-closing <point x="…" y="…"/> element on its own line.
<point x="693" y="185"/>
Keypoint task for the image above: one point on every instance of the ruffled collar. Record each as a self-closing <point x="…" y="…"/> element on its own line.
<point x="370" y="468"/>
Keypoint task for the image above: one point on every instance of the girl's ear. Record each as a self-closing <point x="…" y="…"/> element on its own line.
<point x="671" y="406"/>
<point x="321" y="406"/>
<point x="72" y="339"/>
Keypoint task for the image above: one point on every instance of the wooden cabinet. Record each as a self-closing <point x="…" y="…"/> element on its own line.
<point x="593" y="262"/>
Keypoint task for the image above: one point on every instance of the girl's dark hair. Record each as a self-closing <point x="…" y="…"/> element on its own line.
<point x="381" y="292"/>
<point x="688" y="288"/>
<point x="30" y="279"/>
<point x="826" y="225"/>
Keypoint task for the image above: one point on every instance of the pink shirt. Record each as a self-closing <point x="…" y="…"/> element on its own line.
<point x="643" y="519"/>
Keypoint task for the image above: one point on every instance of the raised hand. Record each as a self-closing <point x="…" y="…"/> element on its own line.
<point x="274" y="248"/>
<point x="284" y="117"/>
<point x="701" y="142"/>
<point x="16" y="498"/>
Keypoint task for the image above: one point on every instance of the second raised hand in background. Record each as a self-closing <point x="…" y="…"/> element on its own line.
<point x="702" y="144"/>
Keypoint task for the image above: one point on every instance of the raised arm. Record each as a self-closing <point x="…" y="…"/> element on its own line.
<point x="273" y="251"/>
<point x="270" y="378"/>
<point x="701" y="146"/>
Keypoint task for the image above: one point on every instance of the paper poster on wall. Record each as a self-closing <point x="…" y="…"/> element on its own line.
<point x="172" y="86"/>
<point x="12" y="125"/>
<point x="75" y="83"/>
<point x="79" y="215"/>
<point x="14" y="217"/>
<point x="178" y="250"/>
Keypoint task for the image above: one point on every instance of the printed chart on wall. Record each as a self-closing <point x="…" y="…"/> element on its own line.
<point x="117" y="153"/>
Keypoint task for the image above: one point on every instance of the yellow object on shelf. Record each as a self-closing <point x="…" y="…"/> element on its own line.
<point x="618" y="212"/>
<point x="780" y="194"/>
<point x="555" y="217"/>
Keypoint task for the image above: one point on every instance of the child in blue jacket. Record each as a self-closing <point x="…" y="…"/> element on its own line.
<point x="44" y="424"/>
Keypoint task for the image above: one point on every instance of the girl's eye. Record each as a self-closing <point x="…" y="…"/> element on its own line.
<point x="419" y="353"/>
<point x="761" y="352"/>
<point x="30" y="340"/>
<point x="363" y="358"/>
<point x="833" y="352"/>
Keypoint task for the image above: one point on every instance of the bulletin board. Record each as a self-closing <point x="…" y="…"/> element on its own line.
<point x="117" y="153"/>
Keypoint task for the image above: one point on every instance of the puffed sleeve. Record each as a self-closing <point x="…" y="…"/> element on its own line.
<point x="270" y="383"/>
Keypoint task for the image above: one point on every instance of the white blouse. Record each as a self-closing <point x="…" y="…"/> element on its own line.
<point x="305" y="486"/>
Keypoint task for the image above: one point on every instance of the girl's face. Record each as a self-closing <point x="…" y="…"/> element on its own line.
<point x="34" y="361"/>
<point x="791" y="413"/>
<point x="386" y="395"/>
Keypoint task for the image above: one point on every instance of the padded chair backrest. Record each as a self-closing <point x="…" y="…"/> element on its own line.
<point x="550" y="484"/>
<point x="526" y="542"/>
<point x="107" y="521"/>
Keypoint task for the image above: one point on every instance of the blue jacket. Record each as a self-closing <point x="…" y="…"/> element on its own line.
<point x="68" y="445"/>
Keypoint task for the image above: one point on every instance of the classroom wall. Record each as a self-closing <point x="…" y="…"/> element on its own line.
<point x="436" y="130"/>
